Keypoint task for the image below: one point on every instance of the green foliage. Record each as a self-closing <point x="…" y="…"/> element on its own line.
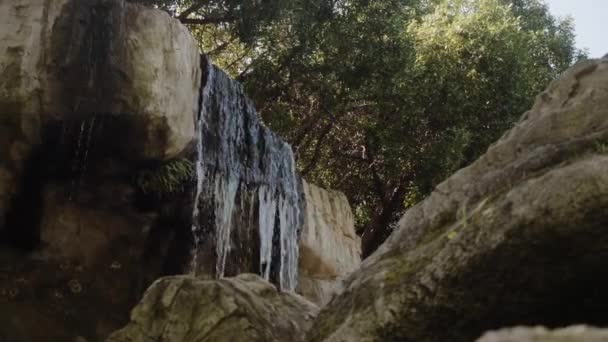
<point x="168" y="178"/>
<point x="394" y="96"/>
<point x="384" y="99"/>
<point x="601" y="147"/>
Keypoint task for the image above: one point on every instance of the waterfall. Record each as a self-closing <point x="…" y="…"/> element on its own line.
<point x="81" y="154"/>
<point x="243" y="166"/>
<point x="266" y="214"/>
<point x="200" y="173"/>
<point x="225" y="194"/>
<point x="289" y="214"/>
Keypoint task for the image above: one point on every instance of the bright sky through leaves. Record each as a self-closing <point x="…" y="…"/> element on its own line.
<point x="590" y="22"/>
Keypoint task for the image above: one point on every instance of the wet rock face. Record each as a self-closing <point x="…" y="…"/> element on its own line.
<point x="127" y="76"/>
<point x="73" y="59"/>
<point x="95" y="94"/>
<point x="329" y="247"/>
<point x="78" y="251"/>
<point x="244" y="308"/>
<point x="517" y="238"/>
<point x="249" y="195"/>
<point x="539" y="334"/>
<point x="92" y="92"/>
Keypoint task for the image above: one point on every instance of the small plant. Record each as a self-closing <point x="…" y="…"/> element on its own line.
<point x="601" y="147"/>
<point x="168" y="178"/>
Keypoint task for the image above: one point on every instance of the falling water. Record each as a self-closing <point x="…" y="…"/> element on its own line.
<point x="225" y="194"/>
<point x="240" y="158"/>
<point x="200" y="171"/>
<point x="289" y="214"/>
<point x="81" y="154"/>
<point x="197" y="195"/>
<point x="87" y="146"/>
<point x="266" y="214"/>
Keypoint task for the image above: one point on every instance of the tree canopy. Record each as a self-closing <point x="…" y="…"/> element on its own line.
<point x="383" y="99"/>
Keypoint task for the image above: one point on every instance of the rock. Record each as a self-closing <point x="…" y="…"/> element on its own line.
<point x="244" y="308"/>
<point x="120" y="76"/>
<point x="23" y="25"/>
<point x="69" y="59"/>
<point x="89" y="232"/>
<point x="540" y="334"/>
<point x="329" y="247"/>
<point x="96" y="96"/>
<point x="92" y="92"/>
<point x="97" y="253"/>
<point x="517" y="238"/>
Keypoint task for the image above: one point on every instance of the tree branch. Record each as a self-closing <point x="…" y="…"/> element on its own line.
<point x="315" y="157"/>
<point x="306" y="127"/>
<point x="193" y="9"/>
<point x="377" y="180"/>
<point x="206" y="21"/>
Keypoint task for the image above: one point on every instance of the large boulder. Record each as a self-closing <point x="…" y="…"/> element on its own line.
<point x="92" y="94"/>
<point x="579" y="333"/>
<point x="81" y="261"/>
<point x="110" y="68"/>
<point x="71" y="59"/>
<point x="329" y="247"/>
<point x="244" y="308"/>
<point x="518" y="237"/>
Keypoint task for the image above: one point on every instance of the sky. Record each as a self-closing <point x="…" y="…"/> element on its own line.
<point x="590" y="20"/>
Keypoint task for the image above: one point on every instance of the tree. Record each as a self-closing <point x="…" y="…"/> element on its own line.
<point x="384" y="99"/>
<point x="477" y="68"/>
<point x="390" y="97"/>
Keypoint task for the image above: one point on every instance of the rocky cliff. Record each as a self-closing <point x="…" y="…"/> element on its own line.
<point x="125" y="156"/>
<point x="329" y="247"/>
<point x="91" y="94"/>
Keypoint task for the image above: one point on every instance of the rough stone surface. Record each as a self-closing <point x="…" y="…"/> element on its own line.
<point x="244" y="308"/>
<point x="329" y="247"/>
<point x="90" y="256"/>
<point x="99" y="69"/>
<point x="540" y="334"/>
<point x="92" y="93"/>
<point x="21" y="34"/>
<point x="71" y="59"/>
<point x="517" y="238"/>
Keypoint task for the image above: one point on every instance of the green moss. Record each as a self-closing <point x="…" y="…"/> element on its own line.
<point x="168" y="178"/>
<point x="601" y="147"/>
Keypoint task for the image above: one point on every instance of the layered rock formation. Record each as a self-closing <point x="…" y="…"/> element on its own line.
<point x="245" y="308"/>
<point x="101" y="107"/>
<point x="91" y="93"/>
<point x="329" y="247"/>
<point x="540" y="334"/>
<point x="518" y="237"/>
